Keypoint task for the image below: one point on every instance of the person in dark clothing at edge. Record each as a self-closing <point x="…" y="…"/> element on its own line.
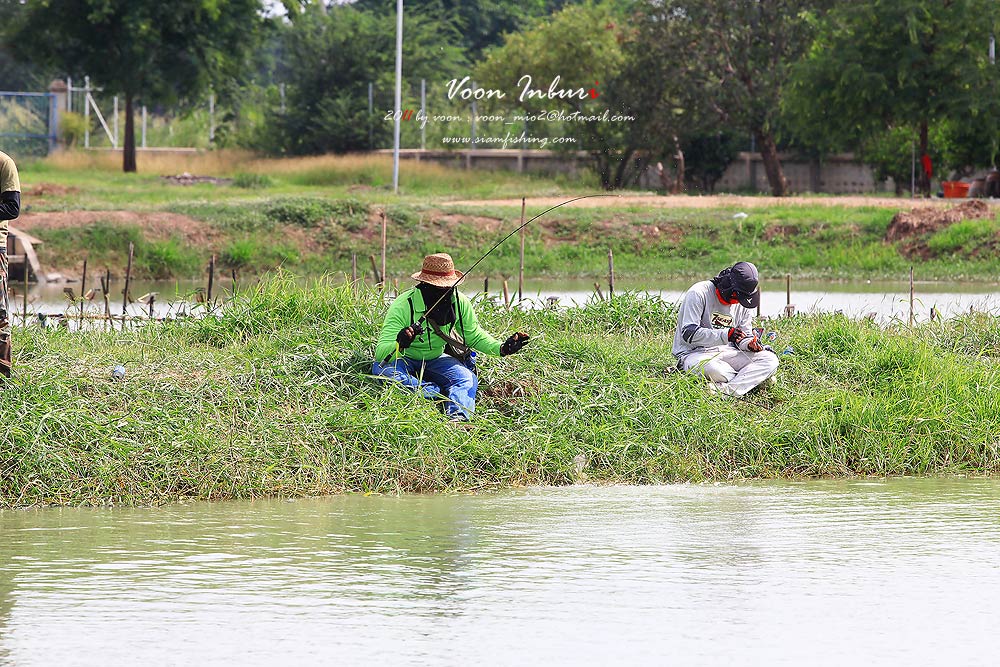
<point x="10" y="208"/>
<point x="714" y="334"/>
<point x="437" y="359"/>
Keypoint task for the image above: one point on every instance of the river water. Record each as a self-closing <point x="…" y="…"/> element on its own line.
<point x="901" y="572"/>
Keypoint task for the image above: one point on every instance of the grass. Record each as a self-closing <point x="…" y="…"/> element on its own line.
<point x="272" y="398"/>
<point x="319" y="211"/>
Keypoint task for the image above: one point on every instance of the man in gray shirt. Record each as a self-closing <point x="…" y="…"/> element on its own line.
<point x="715" y="335"/>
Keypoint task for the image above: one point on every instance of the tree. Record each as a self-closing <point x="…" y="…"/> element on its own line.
<point x="738" y="55"/>
<point x="708" y="156"/>
<point x="478" y="24"/>
<point x="152" y="52"/>
<point x="328" y="58"/>
<point x="590" y="46"/>
<point x="888" y="68"/>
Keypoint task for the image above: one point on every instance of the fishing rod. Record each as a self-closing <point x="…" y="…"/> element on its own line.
<point x="496" y="245"/>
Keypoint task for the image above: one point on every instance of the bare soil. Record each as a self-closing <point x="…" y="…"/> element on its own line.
<point x="712" y="201"/>
<point x="922" y="220"/>
<point x="155" y="225"/>
<point x="50" y="190"/>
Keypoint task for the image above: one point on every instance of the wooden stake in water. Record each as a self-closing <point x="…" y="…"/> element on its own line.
<point x="597" y="289"/>
<point x="128" y="277"/>
<point x="383" y="274"/>
<point x="211" y="278"/>
<point x="106" y="288"/>
<point x="354" y="268"/>
<point x="788" y="289"/>
<point x="520" y="271"/>
<point x="486" y="285"/>
<point x="506" y="296"/>
<point x="911" y="296"/>
<point x="152" y="300"/>
<point x="611" y="274"/>
<point x="378" y="276"/>
<point x="83" y="290"/>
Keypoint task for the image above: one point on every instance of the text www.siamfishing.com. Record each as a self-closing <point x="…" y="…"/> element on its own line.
<point x="513" y="140"/>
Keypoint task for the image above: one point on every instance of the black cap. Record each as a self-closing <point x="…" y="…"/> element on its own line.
<point x="743" y="278"/>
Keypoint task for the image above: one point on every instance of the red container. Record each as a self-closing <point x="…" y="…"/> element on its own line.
<point x="955" y="189"/>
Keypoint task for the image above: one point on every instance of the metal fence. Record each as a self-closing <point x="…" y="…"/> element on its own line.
<point x="28" y="123"/>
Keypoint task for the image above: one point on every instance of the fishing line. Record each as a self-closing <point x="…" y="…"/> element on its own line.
<point x="490" y="251"/>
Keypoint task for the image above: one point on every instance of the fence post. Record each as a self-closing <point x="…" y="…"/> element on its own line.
<point x="128" y="280"/>
<point x="211" y="118"/>
<point x="423" y="112"/>
<point x="520" y="270"/>
<point x="69" y="93"/>
<point x="384" y="275"/>
<point x="143" y="125"/>
<point x="911" y="296"/>
<point x="115" y="141"/>
<point x="54" y="91"/>
<point x="86" y="112"/>
<point x="611" y="274"/>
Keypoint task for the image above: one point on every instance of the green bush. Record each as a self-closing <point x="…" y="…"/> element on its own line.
<point x="241" y="253"/>
<point x="251" y="181"/>
<point x="299" y="211"/>
<point x="165" y="259"/>
<point x="964" y="236"/>
<point x="72" y="128"/>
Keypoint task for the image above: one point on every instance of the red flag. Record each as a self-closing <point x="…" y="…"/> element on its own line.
<point x="925" y="160"/>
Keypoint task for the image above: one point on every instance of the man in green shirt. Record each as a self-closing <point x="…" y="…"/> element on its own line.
<point x="10" y="208"/>
<point x="436" y="359"/>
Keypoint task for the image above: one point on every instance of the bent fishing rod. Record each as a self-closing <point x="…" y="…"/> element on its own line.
<point x="496" y="245"/>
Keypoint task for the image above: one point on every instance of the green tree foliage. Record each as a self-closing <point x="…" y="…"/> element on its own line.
<point x="152" y="52"/>
<point x="590" y="45"/>
<point x="478" y="23"/>
<point x="328" y="57"/>
<point x="738" y="55"/>
<point x="707" y="156"/>
<point x="880" y="70"/>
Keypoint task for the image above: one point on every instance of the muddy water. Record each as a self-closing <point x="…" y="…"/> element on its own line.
<point x="884" y="300"/>
<point x="833" y="572"/>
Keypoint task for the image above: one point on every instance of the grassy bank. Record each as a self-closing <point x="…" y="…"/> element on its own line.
<point x="311" y="214"/>
<point x="273" y="398"/>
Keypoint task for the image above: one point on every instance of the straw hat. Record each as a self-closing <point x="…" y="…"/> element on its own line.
<point x="439" y="270"/>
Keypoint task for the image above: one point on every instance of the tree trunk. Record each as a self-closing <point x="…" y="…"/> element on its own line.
<point x="603" y="170"/>
<point x="128" y="151"/>
<point x="679" y="172"/>
<point x="622" y="169"/>
<point x="924" y="182"/>
<point x="772" y="165"/>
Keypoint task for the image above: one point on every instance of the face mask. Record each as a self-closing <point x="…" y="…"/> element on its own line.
<point x="444" y="311"/>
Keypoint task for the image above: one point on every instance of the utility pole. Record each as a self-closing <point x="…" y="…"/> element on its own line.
<point x="397" y="111"/>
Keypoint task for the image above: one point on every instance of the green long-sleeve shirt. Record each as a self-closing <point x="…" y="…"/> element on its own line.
<point x="429" y="345"/>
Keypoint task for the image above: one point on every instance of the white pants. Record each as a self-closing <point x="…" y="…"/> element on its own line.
<point x="734" y="372"/>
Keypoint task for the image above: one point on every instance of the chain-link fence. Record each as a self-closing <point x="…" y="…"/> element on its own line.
<point x="27" y="123"/>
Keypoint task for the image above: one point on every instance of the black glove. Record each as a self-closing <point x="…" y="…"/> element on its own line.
<point x="405" y="336"/>
<point x="736" y="335"/>
<point x="513" y="344"/>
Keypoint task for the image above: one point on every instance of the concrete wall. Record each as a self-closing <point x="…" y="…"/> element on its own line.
<point x="838" y="174"/>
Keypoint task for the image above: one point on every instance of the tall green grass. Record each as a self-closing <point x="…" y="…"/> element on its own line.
<point x="271" y="397"/>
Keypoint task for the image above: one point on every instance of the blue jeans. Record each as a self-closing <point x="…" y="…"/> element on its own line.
<point x="444" y="377"/>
